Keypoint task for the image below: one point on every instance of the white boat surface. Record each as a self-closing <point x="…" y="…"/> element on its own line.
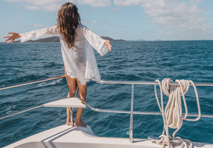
<point x="80" y="137"/>
<point x="83" y="137"/>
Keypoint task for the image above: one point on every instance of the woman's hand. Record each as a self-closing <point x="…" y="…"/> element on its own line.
<point x="12" y="37"/>
<point x="107" y="43"/>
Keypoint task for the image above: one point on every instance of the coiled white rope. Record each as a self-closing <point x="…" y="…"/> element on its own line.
<point x="172" y="115"/>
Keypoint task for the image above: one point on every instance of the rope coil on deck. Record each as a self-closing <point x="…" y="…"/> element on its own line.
<point x="172" y="115"/>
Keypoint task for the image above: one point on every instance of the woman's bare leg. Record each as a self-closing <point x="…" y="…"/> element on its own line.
<point x="82" y="95"/>
<point x="71" y="82"/>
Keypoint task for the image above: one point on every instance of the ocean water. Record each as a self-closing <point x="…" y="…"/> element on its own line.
<point x="128" y="61"/>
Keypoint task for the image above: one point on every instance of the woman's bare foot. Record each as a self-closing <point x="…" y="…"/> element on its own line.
<point x="68" y="122"/>
<point x="80" y="123"/>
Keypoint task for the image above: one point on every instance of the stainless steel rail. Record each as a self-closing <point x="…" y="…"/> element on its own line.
<point x="148" y="82"/>
<point x="134" y="112"/>
<point x="101" y="82"/>
<point x="104" y="111"/>
<point x="131" y="112"/>
<point x="130" y="132"/>
<point x="20" y="112"/>
<point x="31" y="82"/>
<point x="131" y="116"/>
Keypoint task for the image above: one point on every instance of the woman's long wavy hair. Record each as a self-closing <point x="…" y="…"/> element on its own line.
<point x="68" y="20"/>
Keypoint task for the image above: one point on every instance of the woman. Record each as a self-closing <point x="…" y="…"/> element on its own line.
<point x="76" y="46"/>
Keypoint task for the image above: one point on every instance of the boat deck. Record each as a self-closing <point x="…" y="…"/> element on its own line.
<point x="78" y="137"/>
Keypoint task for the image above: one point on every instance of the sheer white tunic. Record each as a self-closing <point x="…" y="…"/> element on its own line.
<point x="79" y="61"/>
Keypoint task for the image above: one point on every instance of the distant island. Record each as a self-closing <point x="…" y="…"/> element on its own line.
<point x="56" y="39"/>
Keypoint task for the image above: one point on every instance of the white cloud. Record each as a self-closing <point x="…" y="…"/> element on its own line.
<point x="31" y="7"/>
<point x="48" y="5"/>
<point x="54" y="5"/>
<point x="17" y="19"/>
<point x="183" y="16"/>
<point x="85" y="23"/>
<point x="39" y="25"/>
<point x="129" y="2"/>
<point x="83" y="13"/>
<point x="95" y="3"/>
<point x="115" y="9"/>
<point x="170" y="15"/>
<point x="116" y="25"/>
<point x="99" y="22"/>
<point x="95" y="22"/>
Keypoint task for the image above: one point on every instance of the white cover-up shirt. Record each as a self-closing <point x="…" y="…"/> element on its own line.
<point x="79" y="61"/>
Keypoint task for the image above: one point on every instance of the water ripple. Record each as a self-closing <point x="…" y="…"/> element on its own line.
<point x="129" y="61"/>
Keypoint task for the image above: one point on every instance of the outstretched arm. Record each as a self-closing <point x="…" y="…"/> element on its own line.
<point x="32" y="34"/>
<point x="12" y="37"/>
<point x="102" y="46"/>
<point x="107" y="43"/>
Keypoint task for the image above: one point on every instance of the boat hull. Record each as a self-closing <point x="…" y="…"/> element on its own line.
<point x="80" y="137"/>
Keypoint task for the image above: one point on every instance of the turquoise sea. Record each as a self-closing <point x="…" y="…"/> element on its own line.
<point x="128" y="61"/>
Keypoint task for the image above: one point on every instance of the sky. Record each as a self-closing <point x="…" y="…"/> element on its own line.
<point x="118" y="19"/>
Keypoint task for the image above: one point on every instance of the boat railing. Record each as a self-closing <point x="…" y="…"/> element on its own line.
<point x="131" y="112"/>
